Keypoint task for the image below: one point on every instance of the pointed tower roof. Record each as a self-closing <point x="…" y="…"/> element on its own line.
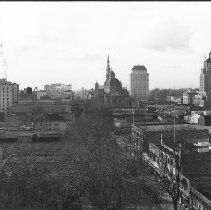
<point x="108" y="68"/>
<point x="208" y="60"/>
<point x="108" y="61"/>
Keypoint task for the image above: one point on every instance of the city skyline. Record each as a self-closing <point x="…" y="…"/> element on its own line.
<point x="68" y="42"/>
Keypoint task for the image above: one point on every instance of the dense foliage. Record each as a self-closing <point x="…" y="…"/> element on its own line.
<point x="161" y="94"/>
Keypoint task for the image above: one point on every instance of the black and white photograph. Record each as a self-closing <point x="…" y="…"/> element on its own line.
<point x="105" y="105"/>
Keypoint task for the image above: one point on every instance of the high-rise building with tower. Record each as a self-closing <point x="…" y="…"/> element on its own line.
<point x="8" y="94"/>
<point x="139" y="83"/>
<point x="203" y="98"/>
<point x="8" y="90"/>
<point x="205" y="76"/>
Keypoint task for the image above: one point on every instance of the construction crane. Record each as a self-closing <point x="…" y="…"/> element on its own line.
<point x="4" y="62"/>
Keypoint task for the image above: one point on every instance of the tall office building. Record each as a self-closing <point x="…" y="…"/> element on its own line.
<point x="139" y="83"/>
<point x="8" y="90"/>
<point x="205" y="76"/>
<point x="8" y="94"/>
<point x="203" y="98"/>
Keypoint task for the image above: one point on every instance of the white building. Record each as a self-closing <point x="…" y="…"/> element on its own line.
<point x="8" y="94"/>
<point x="40" y="94"/>
<point x="139" y="83"/>
<point x="57" y="87"/>
<point x="58" y="90"/>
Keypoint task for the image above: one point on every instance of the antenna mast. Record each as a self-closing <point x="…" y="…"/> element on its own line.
<point x="204" y="57"/>
<point x="5" y="66"/>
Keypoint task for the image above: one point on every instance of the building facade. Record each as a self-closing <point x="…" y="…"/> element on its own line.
<point x="203" y="97"/>
<point x="139" y="83"/>
<point x="58" y="91"/>
<point x="8" y="95"/>
<point x="205" y="76"/>
<point x="174" y="99"/>
<point x="188" y="96"/>
<point x="51" y="122"/>
<point x="41" y="94"/>
<point x="30" y="115"/>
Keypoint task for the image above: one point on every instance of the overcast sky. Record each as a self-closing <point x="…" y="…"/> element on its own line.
<point x="68" y="42"/>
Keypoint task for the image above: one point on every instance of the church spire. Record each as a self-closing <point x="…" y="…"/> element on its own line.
<point x="108" y="69"/>
<point x="108" y="62"/>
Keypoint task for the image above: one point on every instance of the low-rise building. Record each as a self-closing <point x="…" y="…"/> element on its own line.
<point x="189" y="96"/>
<point x="58" y="91"/>
<point x="205" y="120"/>
<point x="174" y="99"/>
<point x="200" y="99"/>
<point x="193" y="117"/>
<point x="27" y="115"/>
<point x="41" y="94"/>
<point x="51" y="122"/>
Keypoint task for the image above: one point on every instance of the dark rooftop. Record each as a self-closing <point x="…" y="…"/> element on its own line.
<point x="139" y="67"/>
<point x="196" y="167"/>
<point x="208" y="60"/>
<point x="25" y="108"/>
<point x="54" y="117"/>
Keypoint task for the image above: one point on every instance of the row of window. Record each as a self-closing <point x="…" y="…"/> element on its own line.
<point x="55" y="129"/>
<point x="4" y="99"/>
<point x="50" y="124"/>
<point x="5" y="91"/>
<point x="4" y="95"/>
<point x="4" y="88"/>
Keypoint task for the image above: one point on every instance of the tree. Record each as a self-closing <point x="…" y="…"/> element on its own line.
<point x="161" y="94"/>
<point x="170" y="162"/>
<point x="90" y="165"/>
<point x="171" y="177"/>
<point x="99" y="155"/>
<point x="98" y="159"/>
<point x="29" y="90"/>
<point x="76" y="109"/>
<point x="31" y="184"/>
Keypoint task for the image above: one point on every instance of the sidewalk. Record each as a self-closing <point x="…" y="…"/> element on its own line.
<point x="170" y="207"/>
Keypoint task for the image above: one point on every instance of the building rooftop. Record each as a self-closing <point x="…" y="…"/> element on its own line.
<point x="184" y="137"/>
<point x="196" y="167"/>
<point x="29" y="108"/>
<point x="139" y="67"/>
<point x="5" y="82"/>
<point x="54" y="117"/>
<point x="208" y="60"/>
<point x="162" y="127"/>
